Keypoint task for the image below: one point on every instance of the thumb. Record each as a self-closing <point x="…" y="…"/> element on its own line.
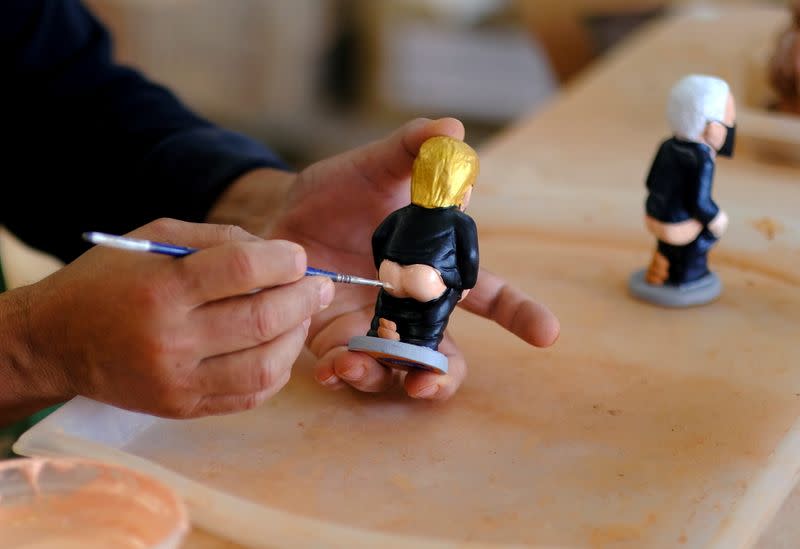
<point x="388" y="161"/>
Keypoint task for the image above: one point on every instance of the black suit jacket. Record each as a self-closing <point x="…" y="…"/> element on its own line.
<point x="443" y="238"/>
<point x="679" y="183"/>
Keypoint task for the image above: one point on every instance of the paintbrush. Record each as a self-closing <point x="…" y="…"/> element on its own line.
<point x="139" y="245"/>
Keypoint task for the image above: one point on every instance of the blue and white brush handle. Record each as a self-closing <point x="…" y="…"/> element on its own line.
<point x="139" y="245"/>
<point x="136" y="244"/>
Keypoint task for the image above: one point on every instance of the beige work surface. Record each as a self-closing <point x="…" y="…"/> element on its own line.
<point x="641" y="427"/>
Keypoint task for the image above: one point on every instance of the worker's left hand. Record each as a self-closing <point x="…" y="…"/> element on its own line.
<point x="332" y="209"/>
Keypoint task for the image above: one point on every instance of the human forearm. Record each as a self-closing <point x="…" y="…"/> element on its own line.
<point x="253" y="200"/>
<point x="172" y="338"/>
<point x="25" y="385"/>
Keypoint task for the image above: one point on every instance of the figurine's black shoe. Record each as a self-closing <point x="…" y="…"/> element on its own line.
<point x="698" y="292"/>
<point x="399" y="355"/>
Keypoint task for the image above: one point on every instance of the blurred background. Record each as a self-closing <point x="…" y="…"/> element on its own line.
<point x="314" y="77"/>
<point x="311" y="78"/>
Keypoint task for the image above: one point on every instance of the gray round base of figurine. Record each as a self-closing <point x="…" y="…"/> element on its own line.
<point x="399" y="355"/>
<point x="698" y="292"/>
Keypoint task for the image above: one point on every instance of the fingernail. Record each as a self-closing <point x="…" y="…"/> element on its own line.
<point x="354" y="373"/>
<point x="332" y="380"/>
<point x="300" y="259"/>
<point x="306" y="324"/>
<point x="326" y="292"/>
<point x="427" y="392"/>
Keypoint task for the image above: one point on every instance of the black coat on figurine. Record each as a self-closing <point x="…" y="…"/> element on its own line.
<point x="679" y="189"/>
<point x="443" y="238"/>
<point x="434" y="231"/>
<point x="679" y="183"/>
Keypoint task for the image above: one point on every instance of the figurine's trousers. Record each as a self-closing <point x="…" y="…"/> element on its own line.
<point x="688" y="263"/>
<point x="418" y="323"/>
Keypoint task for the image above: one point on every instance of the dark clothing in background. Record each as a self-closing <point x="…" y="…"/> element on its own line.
<point x="91" y="145"/>
<point x="679" y="187"/>
<point x="443" y="238"/>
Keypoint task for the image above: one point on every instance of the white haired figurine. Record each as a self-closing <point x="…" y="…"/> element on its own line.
<point x="679" y="210"/>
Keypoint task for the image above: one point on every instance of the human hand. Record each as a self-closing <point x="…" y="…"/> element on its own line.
<point x="332" y="209"/>
<point x="176" y="337"/>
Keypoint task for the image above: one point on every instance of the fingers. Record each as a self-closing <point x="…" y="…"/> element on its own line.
<point x="212" y="405"/>
<point x="246" y="321"/>
<point x="253" y="371"/>
<point x="389" y="160"/>
<point x="431" y="386"/>
<point x="230" y="261"/>
<point x="196" y="235"/>
<point x="492" y="298"/>
<point x="415" y="133"/>
<point x="339" y="367"/>
<point x="244" y="380"/>
<point x="362" y="372"/>
<point x="324" y="372"/>
<point x="495" y="299"/>
<point x="235" y="268"/>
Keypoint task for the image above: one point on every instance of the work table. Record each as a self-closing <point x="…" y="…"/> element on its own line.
<point x="565" y="186"/>
<point x="641" y="426"/>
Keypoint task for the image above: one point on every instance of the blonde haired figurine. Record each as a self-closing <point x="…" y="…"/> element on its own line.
<point x="427" y="252"/>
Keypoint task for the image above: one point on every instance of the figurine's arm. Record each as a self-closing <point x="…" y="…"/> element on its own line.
<point x="467" y="253"/>
<point x="706" y="211"/>
<point x="656" y="168"/>
<point x="381" y="237"/>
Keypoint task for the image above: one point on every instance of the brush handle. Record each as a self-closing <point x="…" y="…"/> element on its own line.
<point x="139" y="245"/>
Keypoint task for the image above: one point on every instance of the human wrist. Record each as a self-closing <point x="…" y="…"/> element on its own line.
<point x="30" y="381"/>
<point x="253" y="200"/>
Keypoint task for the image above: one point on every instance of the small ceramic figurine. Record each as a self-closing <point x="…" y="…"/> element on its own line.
<point x="679" y="210"/>
<point x="784" y="67"/>
<point x="428" y="253"/>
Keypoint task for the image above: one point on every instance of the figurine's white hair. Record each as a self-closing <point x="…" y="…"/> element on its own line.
<point x="695" y="101"/>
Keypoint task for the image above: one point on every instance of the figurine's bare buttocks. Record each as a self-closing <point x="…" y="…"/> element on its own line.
<point x="420" y="282"/>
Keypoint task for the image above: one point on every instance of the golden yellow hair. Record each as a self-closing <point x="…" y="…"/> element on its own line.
<point x="443" y="171"/>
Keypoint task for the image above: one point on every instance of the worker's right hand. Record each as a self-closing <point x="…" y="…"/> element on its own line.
<point x="176" y="337"/>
